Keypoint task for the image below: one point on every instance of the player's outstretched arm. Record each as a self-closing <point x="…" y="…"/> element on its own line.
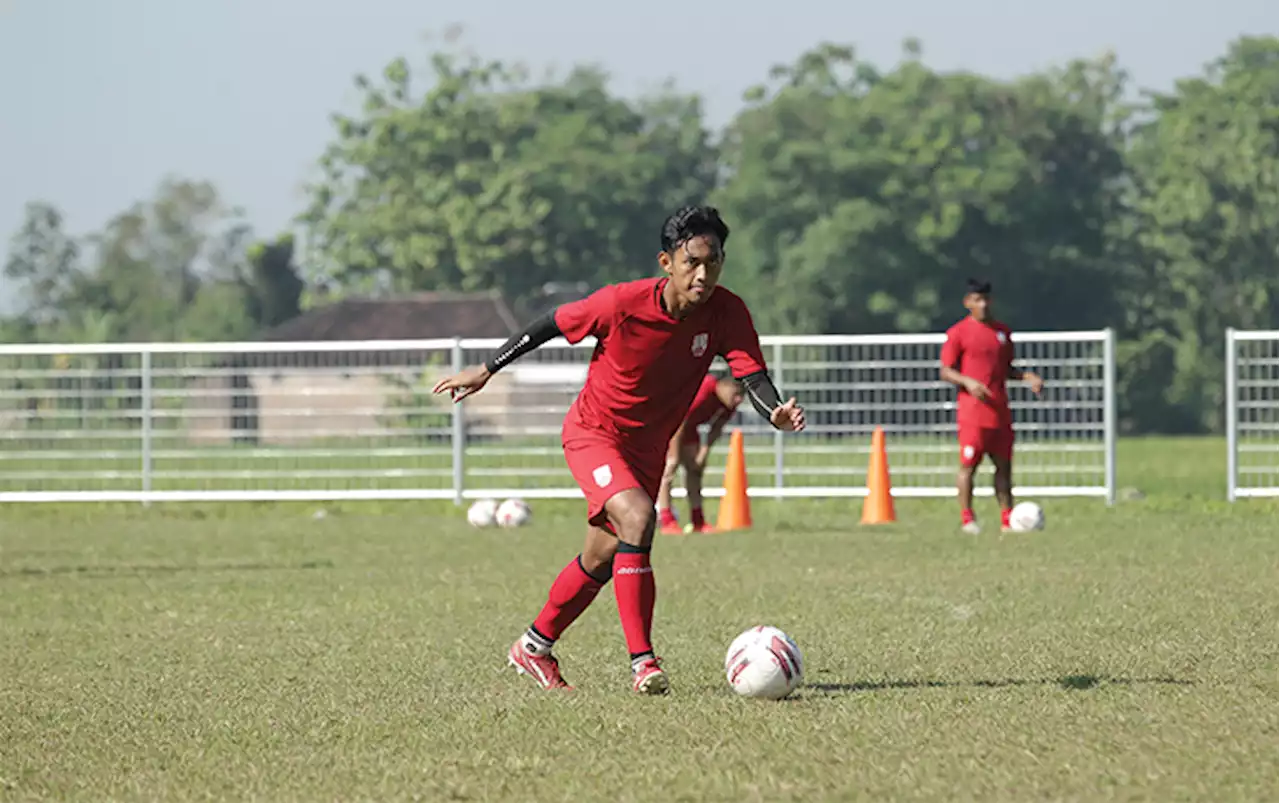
<point x="787" y="416"/>
<point x="463" y="384"/>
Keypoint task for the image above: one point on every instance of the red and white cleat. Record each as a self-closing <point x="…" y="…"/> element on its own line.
<point x="544" y="669"/>
<point x="648" y="678"/>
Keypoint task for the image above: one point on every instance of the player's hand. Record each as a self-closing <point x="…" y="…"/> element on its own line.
<point x="976" y="389"/>
<point x="1033" y="381"/>
<point x="788" y="417"/>
<point x="462" y="385"/>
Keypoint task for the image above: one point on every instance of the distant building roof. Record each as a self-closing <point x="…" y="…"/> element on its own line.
<point x="411" y="317"/>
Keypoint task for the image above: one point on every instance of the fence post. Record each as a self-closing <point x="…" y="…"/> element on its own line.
<point x="146" y="423"/>
<point x="1109" y="410"/>
<point x="1230" y="395"/>
<point x="779" y="442"/>
<point x="458" y="438"/>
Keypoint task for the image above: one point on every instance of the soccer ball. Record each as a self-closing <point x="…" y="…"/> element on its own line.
<point x="513" y="513"/>
<point x="1026" y="517"/>
<point x="483" y="513"/>
<point x="764" y="663"/>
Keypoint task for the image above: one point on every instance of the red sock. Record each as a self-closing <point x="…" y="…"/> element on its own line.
<point x="967" y="517"/>
<point x="695" y="516"/>
<point x="1004" y="517"/>
<point x="633" y="585"/>
<point x="667" y="517"/>
<point x="570" y="595"/>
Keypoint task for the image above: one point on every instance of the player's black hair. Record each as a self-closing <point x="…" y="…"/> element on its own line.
<point x="692" y="221"/>
<point x="980" y="286"/>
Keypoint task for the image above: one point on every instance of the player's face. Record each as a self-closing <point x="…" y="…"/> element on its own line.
<point x="730" y="393"/>
<point x="694" y="268"/>
<point x="979" y="305"/>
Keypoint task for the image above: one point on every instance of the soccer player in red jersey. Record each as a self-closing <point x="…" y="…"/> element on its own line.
<point x="717" y="399"/>
<point x="978" y="359"/>
<point x="655" y="339"/>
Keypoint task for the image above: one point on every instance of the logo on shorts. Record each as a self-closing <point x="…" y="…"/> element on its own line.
<point x="699" y="344"/>
<point x="603" y="476"/>
<point x="1000" y="336"/>
<point x="967" y="452"/>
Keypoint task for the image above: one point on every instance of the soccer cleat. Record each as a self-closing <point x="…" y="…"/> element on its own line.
<point x="672" y="529"/>
<point x="971" y="528"/>
<point x="648" y="678"/>
<point x="544" y="669"/>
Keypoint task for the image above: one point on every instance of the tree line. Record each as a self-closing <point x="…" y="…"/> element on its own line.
<point x="860" y="199"/>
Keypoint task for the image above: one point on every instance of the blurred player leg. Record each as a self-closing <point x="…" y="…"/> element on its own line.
<point x="970" y="458"/>
<point x="693" y="485"/>
<point x="1000" y="447"/>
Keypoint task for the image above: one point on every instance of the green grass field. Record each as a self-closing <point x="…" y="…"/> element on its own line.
<point x="256" y="652"/>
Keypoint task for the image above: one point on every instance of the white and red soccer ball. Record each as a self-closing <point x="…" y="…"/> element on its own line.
<point x="513" y="513"/>
<point x="1026" y="517"/>
<point x="488" y="512"/>
<point x="764" y="663"/>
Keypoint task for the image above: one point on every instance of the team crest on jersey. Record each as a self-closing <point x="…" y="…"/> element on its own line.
<point x="603" y="476"/>
<point x="699" y="344"/>
<point x="1001" y="337"/>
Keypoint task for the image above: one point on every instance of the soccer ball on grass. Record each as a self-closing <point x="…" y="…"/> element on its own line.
<point x="483" y="513"/>
<point x="513" y="513"/>
<point x="1026" y="517"/>
<point x="764" y="663"/>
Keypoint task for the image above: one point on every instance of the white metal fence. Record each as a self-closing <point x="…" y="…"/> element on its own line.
<point x="356" y="420"/>
<point x="1253" y="413"/>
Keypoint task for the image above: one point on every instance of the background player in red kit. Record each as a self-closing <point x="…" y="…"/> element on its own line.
<point x="655" y="339"/>
<point x="716" y="401"/>
<point x="978" y="359"/>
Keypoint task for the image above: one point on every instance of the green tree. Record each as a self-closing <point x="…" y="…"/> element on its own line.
<point x="864" y="199"/>
<point x="1204" y="168"/>
<point x="271" y="283"/>
<point x="44" y="263"/>
<point x="490" y="180"/>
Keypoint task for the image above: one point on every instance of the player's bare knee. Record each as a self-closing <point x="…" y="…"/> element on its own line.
<point x="635" y="523"/>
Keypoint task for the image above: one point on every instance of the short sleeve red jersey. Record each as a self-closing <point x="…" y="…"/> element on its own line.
<point x="981" y="351"/>
<point x="706" y="404"/>
<point x="647" y="365"/>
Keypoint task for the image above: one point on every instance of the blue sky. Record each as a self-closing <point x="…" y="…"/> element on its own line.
<point x="103" y="98"/>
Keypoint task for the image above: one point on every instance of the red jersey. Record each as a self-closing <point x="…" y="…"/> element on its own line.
<point x="981" y="351"/>
<point x="647" y="365"/>
<point x="706" y="405"/>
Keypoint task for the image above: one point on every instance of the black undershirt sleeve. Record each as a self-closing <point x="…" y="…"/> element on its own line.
<point x="534" y="335"/>
<point x="760" y="390"/>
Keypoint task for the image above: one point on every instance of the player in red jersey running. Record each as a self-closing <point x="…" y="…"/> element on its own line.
<point x="655" y="339"/>
<point x="717" y="399"/>
<point x="978" y="359"/>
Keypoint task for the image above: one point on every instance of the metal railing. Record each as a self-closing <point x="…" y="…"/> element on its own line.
<point x="1253" y="414"/>
<point x="357" y="420"/>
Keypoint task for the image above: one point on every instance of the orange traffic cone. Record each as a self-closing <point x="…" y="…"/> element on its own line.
<point x="877" y="506"/>
<point x="735" y="508"/>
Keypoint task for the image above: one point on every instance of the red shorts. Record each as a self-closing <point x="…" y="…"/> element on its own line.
<point x="603" y="467"/>
<point x="976" y="441"/>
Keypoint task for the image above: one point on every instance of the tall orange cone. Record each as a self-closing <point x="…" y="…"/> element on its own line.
<point x="877" y="506"/>
<point x="735" y="507"/>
